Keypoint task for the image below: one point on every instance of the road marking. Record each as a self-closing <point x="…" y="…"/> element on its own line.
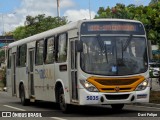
<point x="14" y="108"/>
<point x="58" y="118"/>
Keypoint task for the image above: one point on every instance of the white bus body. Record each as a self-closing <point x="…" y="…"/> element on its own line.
<point x="79" y="64"/>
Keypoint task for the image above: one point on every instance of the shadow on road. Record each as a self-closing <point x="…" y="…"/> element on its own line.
<point x="52" y="109"/>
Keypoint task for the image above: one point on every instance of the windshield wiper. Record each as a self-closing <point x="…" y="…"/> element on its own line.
<point x="127" y="42"/>
<point x="102" y="46"/>
<point x="124" y="47"/>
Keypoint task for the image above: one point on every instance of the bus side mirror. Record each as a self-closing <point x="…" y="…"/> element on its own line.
<point x="150" y="50"/>
<point x="79" y="46"/>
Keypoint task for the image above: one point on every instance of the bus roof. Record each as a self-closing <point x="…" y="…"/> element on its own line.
<point x="44" y="34"/>
<point x="60" y="29"/>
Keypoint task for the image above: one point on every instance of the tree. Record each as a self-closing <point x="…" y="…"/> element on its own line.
<point x="3" y="75"/>
<point x="2" y="58"/>
<point x="148" y="15"/>
<point x="154" y="1"/>
<point x="38" y="24"/>
<point x="19" y="33"/>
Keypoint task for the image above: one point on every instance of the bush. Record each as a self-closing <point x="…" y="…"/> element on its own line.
<point x="3" y="76"/>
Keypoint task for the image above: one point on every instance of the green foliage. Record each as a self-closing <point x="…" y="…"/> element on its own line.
<point x="2" y="56"/>
<point x="19" y="33"/>
<point x="3" y="77"/>
<point x="148" y="15"/>
<point x="153" y="1"/>
<point x="38" y="24"/>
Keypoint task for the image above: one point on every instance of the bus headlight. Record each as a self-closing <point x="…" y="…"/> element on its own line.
<point x="88" y="86"/>
<point x="142" y="85"/>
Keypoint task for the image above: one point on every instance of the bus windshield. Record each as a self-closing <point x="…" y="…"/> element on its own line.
<point x="114" y="55"/>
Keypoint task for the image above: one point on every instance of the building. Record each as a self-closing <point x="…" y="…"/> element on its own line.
<point x="4" y="40"/>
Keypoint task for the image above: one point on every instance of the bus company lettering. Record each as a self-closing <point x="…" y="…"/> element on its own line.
<point x="24" y="115"/>
<point x="44" y="73"/>
<point x="147" y="114"/>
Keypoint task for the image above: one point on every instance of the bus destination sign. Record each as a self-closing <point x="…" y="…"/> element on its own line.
<point x="112" y="27"/>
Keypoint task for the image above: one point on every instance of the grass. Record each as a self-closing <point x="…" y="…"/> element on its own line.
<point x="155" y="97"/>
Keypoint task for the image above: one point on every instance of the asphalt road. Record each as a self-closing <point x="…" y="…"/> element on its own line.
<point x="50" y="111"/>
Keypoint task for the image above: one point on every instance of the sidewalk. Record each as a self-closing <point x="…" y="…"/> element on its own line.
<point x="155" y="84"/>
<point x="148" y="104"/>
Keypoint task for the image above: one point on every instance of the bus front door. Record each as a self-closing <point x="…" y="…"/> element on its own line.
<point x="13" y="74"/>
<point x="31" y="74"/>
<point x="73" y="71"/>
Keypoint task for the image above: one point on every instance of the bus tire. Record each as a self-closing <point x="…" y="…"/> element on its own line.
<point x="65" y="108"/>
<point x="24" y="101"/>
<point x="117" y="107"/>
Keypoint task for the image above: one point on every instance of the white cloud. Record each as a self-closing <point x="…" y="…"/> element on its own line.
<point x="66" y="4"/>
<point x="33" y="8"/>
<point x="48" y="7"/>
<point x="74" y="15"/>
<point x="8" y="22"/>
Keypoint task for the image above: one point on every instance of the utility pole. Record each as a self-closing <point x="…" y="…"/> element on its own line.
<point x="89" y="9"/>
<point x="2" y="23"/>
<point x="58" y="8"/>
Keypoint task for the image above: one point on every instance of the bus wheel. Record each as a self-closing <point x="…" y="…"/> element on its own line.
<point x="117" y="107"/>
<point x="63" y="106"/>
<point x="24" y="101"/>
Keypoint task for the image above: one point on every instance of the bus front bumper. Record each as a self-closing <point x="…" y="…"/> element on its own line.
<point x="95" y="98"/>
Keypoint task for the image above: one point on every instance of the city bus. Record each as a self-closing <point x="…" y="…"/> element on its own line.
<point x="88" y="62"/>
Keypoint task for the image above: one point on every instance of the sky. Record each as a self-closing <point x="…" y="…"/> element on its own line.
<point x="14" y="12"/>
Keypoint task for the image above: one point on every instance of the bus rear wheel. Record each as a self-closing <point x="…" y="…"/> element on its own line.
<point x="66" y="108"/>
<point x="117" y="107"/>
<point x="24" y="101"/>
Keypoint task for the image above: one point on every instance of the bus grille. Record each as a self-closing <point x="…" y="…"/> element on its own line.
<point x="116" y="81"/>
<point x="117" y="97"/>
<point x="112" y="89"/>
<point x="123" y="84"/>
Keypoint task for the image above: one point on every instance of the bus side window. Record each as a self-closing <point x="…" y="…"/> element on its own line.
<point x="17" y="58"/>
<point x="9" y="59"/>
<point x="21" y="56"/>
<point x="39" y="52"/>
<point x="62" y="48"/>
<point x="50" y="51"/>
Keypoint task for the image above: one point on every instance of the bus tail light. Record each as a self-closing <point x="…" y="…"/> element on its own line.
<point x="88" y="86"/>
<point x="142" y="85"/>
